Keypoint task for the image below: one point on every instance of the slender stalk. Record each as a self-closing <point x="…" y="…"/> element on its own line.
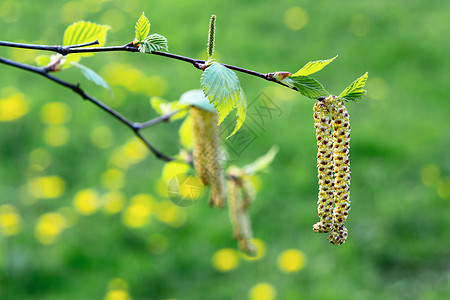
<point x="197" y="63"/>
<point x="76" y="88"/>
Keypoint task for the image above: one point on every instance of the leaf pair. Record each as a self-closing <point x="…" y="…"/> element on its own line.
<point x="311" y="88"/>
<point x="76" y="34"/>
<point x="148" y="43"/>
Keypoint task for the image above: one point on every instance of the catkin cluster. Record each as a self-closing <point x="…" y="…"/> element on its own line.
<point x="333" y="165"/>
<point x="207" y="155"/>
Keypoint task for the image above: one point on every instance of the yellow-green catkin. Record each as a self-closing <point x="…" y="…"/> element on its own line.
<point x="207" y="154"/>
<point x="341" y="159"/>
<point x="240" y="220"/>
<point x="212" y="29"/>
<point x="324" y="168"/>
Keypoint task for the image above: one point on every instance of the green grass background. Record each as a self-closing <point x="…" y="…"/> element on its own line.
<point x="399" y="237"/>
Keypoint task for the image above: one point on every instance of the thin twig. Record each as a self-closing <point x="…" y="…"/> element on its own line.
<point x="76" y="88"/>
<point x="65" y="50"/>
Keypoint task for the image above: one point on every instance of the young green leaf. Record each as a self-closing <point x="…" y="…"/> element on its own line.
<point x="152" y="43"/>
<point x="92" y="76"/>
<point x="355" y="91"/>
<point x="142" y="28"/>
<point x="163" y="107"/>
<point x="221" y="86"/>
<point x="307" y="86"/>
<point x="197" y="98"/>
<point x="43" y="60"/>
<point x="313" y="67"/>
<point x="262" y="162"/>
<point x="83" y="32"/>
<point x="241" y="112"/>
<point x="186" y="137"/>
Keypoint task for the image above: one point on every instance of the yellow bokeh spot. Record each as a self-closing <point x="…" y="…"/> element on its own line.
<point x="138" y="213"/>
<point x="117" y="295"/>
<point x="260" y="250"/>
<point x="172" y="169"/>
<point x="377" y="88"/>
<point x="161" y="188"/>
<point x="10" y="10"/>
<point x="49" y="227"/>
<point x="170" y="214"/>
<point x="40" y="157"/>
<point x="225" y="260"/>
<point x="157" y="243"/>
<point x="113" y="179"/>
<point x="46" y="187"/>
<point x="263" y="291"/>
<point x="443" y="188"/>
<point x="73" y="11"/>
<point x="291" y="260"/>
<point x="430" y="174"/>
<point x="117" y="284"/>
<point x="295" y="18"/>
<point x="360" y="25"/>
<point x="13" y="107"/>
<point x="102" y="137"/>
<point x="135" y="150"/>
<point x="10" y="220"/>
<point x="56" y="135"/>
<point x="55" y="113"/>
<point x="113" y="202"/>
<point x="86" y="201"/>
<point x="114" y="18"/>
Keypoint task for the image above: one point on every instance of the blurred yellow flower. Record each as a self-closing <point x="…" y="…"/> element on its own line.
<point x="135" y="150"/>
<point x="47" y="187"/>
<point x="102" y="137"/>
<point x="263" y="291"/>
<point x="291" y="260"/>
<point x="40" y="157"/>
<point x="117" y="284"/>
<point x="139" y="211"/>
<point x="172" y="169"/>
<point x="73" y="11"/>
<point x="49" y="227"/>
<point x="117" y="295"/>
<point x="55" y="113"/>
<point x="113" y="179"/>
<point x="13" y="107"/>
<point x="10" y="220"/>
<point x="113" y="202"/>
<point x="157" y="243"/>
<point x="225" y="260"/>
<point x="170" y="214"/>
<point x="56" y="135"/>
<point x="295" y="18"/>
<point x="86" y="201"/>
<point x="430" y="174"/>
<point x="260" y="250"/>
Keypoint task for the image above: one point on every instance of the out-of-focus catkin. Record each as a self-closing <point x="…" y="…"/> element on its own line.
<point x="240" y="220"/>
<point x="207" y="155"/>
<point x="341" y="159"/>
<point x="324" y="168"/>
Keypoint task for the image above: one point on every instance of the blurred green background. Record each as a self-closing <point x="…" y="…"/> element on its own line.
<point x="82" y="208"/>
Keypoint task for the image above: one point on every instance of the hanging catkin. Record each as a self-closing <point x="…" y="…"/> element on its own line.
<point x="240" y="220"/>
<point x="207" y="155"/>
<point x="324" y="168"/>
<point x="341" y="151"/>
